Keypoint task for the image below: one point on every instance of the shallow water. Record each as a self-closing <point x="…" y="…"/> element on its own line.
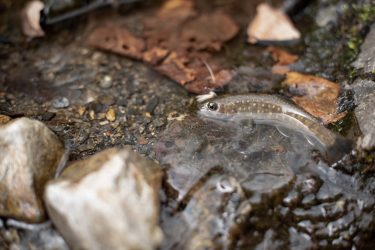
<point x="292" y="197"/>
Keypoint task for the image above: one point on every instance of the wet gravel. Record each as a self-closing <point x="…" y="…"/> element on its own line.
<point x="245" y="189"/>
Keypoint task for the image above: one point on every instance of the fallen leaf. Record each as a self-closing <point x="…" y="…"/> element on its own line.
<point x="316" y="95"/>
<point x="209" y="31"/>
<point x="271" y="24"/>
<point x="163" y="29"/>
<point x="205" y="83"/>
<point x="282" y="58"/>
<point x="176" y="68"/>
<point x="155" y="55"/>
<point x="118" y="40"/>
<point x="177" y="42"/>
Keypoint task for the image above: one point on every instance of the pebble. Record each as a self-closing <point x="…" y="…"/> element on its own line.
<point x="81" y="111"/>
<point x="106" y="82"/>
<point x="60" y="102"/>
<point x="30" y="154"/>
<point x="108" y="201"/>
<point x="4" y="119"/>
<point x="110" y="115"/>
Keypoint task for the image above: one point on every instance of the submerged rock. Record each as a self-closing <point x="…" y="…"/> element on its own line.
<point x="108" y="201"/>
<point x="211" y="218"/>
<point x="31" y="236"/>
<point x="297" y="201"/>
<point x="30" y="154"/>
<point x="364" y="95"/>
<point x="366" y="59"/>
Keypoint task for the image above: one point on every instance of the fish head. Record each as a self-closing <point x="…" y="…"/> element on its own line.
<point x="213" y="108"/>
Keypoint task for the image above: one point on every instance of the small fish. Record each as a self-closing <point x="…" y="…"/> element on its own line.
<point x="277" y="111"/>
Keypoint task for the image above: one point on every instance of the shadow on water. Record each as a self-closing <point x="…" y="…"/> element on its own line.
<point x="241" y="186"/>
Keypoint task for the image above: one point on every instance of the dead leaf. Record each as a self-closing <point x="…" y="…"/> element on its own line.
<point x="205" y="83"/>
<point x="155" y="55"/>
<point x="316" y="95"/>
<point x="177" y="42"/>
<point x="271" y="24"/>
<point x="282" y="58"/>
<point x="163" y="29"/>
<point x="209" y="31"/>
<point x="118" y="40"/>
<point x="176" y="67"/>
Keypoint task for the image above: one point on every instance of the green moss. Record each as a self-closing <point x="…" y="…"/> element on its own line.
<point x="366" y="12"/>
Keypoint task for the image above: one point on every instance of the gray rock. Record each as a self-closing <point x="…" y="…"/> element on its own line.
<point x="326" y="15"/>
<point x="108" y="201"/>
<point x="213" y="217"/>
<point x="365" y="114"/>
<point x="361" y="89"/>
<point x="366" y="58"/>
<point x="30" y="154"/>
<point x="364" y="95"/>
<point x="60" y="102"/>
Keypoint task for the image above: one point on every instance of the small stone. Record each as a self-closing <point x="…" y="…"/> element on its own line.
<point x="103" y="123"/>
<point x="81" y="111"/>
<point x="106" y="82"/>
<point x="108" y="201"/>
<point x="4" y="119"/>
<point x="151" y="105"/>
<point x="30" y="154"/>
<point x="92" y="114"/>
<point x="60" y="102"/>
<point x="106" y="100"/>
<point x="110" y="115"/>
<point x="47" y="116"/>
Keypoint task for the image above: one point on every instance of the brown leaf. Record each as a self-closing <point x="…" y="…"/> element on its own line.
<point x="283" y="59"/>
<point x="209" y="31"/>
<point x="163" y="29"/>
<point x="206" y="84"/>
<point x="316" y="95"/>
<point x="176" y="42"/>
<point x="118" y="40"/>
<point x="155" y="55"/>
<point x="176" y="68"/>
<point x="271" y="24"/>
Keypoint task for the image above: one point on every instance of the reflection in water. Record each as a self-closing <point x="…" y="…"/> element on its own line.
<point x="243" y="185"/>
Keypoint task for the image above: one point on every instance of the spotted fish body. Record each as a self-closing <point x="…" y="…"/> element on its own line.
<point x="277" y="111"/>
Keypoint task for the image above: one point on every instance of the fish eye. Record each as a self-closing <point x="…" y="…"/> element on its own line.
<point x="212" y="106"/>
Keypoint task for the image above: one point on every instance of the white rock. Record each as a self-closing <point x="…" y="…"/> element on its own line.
<point x="109" y="201"/>
<point x="31" y="19"/>
<point x="30" y="154"/>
